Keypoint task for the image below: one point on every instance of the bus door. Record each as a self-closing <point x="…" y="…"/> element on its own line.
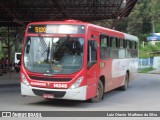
<point x="93" y="69"/>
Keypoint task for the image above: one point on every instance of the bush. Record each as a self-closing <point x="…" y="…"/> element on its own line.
<point x="148" y="48"/>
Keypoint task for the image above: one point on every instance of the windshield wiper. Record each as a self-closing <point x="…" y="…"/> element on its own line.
<point x="43" y="43"/>
<point x="47" y="48"/>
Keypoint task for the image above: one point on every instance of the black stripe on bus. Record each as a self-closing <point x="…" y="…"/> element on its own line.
<point x="50" y="79"/>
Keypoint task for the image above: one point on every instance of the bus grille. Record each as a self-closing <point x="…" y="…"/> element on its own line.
<point x="50" y="79"/>
<point x="57" y="94"/>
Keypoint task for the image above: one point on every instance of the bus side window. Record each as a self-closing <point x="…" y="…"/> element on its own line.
<point x="117" y="42"/>
<point x="130" y="44"/>
<point x="121" y="53"/>
<point x="121" y="43"/>
<point x="114" y="47"/>
<point x="135" y="45"/>
<point x="92" y="53"/>
<point x="127" y="44"/>
<point x="134" y="53"/>
<point x="113" y="42"/>
<point x="104" y="46"/>
<point x="128" y="48"/>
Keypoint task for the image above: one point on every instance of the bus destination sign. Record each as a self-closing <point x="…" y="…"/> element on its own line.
<point x="56" y="29"/>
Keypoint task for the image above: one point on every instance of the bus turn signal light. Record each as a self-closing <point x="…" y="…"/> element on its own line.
<point x="24" y="80"/>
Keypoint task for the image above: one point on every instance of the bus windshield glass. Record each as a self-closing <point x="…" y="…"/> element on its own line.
<point x="54" y="55"/>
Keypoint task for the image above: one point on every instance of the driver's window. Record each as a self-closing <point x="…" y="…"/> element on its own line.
<point x="92" y="52"/>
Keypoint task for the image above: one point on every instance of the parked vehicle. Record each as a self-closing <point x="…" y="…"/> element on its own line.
<point x="17" y="61"/>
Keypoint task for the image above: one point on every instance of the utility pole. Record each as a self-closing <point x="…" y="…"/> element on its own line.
<point x="153" y="26"/>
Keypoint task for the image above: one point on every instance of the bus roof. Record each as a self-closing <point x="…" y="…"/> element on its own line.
<point x="60" y="22"/>
<point x="127" y="36"/>
<point x="132" y="37"/>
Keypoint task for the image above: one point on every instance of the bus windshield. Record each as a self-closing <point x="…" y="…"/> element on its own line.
<point x="54" y="55"/>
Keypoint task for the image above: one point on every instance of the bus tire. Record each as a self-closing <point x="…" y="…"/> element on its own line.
<point x="99" y="93"/>
<point x="126" y="82"/>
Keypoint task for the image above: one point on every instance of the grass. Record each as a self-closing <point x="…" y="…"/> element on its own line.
<point x="146" y="70"/>
<point x="148" y="48"/>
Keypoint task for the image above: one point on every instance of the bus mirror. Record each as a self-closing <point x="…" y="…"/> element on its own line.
<point x="27" y="49"/>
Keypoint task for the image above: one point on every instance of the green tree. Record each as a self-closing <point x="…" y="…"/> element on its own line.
<point x="143" y="20"/>
<point x="154" y="11"/>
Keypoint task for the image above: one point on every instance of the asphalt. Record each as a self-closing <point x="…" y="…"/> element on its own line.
<point x="10" y="79"/>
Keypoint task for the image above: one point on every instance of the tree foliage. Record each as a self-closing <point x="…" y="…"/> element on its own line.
<point x="143" y="20"/>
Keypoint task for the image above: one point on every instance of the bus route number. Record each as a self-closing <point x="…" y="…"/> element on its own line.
<point x="60" y="85"/>
<point x="40" y="29"/>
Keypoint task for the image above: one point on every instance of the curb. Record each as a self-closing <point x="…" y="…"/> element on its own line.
<point x="154" y="72"/>
<point x="9" y="85"/>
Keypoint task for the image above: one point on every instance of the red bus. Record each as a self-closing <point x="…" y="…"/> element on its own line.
<point x="76" y="60"/>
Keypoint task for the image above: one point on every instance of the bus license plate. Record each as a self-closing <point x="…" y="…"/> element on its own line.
<point x="48" y="96"/>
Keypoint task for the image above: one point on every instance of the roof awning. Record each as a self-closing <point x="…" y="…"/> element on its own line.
<point x="21" y="12"/>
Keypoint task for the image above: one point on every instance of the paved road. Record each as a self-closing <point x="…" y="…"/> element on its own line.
<point x="142" y="95"/>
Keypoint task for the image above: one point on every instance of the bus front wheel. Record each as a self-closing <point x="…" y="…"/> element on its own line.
<point x="99" y="93"/>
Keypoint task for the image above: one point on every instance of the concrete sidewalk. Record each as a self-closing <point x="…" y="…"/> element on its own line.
<point x="155" y="71"/>
<point x="10" y="79"/>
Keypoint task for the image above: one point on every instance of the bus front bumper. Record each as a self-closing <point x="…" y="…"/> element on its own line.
<point x="71" y="94"/>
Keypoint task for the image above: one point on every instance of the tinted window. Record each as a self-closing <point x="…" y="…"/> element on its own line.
<point x="92" y="52"/>
<point x="113" y="42"/>
<point x="104" y="49"/>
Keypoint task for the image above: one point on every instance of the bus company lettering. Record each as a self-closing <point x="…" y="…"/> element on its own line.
<point x="56" y="85"/>
<point x="40" y="84"/>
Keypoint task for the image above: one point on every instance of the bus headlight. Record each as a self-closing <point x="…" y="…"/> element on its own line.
<point x="24" y="80"/>
<point x="77" y="83"/>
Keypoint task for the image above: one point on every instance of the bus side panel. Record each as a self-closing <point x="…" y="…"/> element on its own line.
<point x="105" y="67"/>
<point x="94" y="71"/>
<point x="119" y="68"/>
<point x="133" y="68"/>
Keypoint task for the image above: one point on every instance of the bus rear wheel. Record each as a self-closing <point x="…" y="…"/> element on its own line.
<point x="99" y="93"/>
<point x="126" y="82"/>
